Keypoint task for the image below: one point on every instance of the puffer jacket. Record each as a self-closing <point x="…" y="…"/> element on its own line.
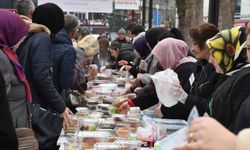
<point x="38" y="70"/>
<point x="63" y="58"/>
<point x="126" y="53"/>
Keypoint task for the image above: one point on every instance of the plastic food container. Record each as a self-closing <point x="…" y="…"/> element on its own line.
<point x="123" y="132"/>
<point x="130" y="145"/>
<point x="95" y="115"/>
<point x="168" y="125"/>
<point x="92" y="104"/>
<point x="71" y="146"/>
<point x="120" y="117"/>
<point x="135" y="112"/>
<point x="88" y="124"/>
<point x="88" y="139"/>
<point x="109" y="146"/>
<point x="73" y="125"/>
<point x="106" y="124"/>
<point x="82" y="111"/>
<point x="104" y="107"/>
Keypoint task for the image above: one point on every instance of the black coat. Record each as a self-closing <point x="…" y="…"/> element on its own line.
<point x="8" y="139"/>
<point x="126" y="52"/>
<point x="203" y="86"/>
<point x="184" y="71"/>
<point x="227" y="104"/>
<point x="38" y="71"/>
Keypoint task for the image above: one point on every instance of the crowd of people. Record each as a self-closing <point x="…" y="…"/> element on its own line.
<point x="44" y="54"/>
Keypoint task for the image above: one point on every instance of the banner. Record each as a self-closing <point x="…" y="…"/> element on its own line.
<point x="127" y="4"/>
<point x="93" y="6"/>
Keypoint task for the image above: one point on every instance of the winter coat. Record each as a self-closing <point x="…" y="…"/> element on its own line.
<point x="126" y="52"/>
<point x="38" y="71"/>
<point x="204" y="82"/>
<point x="16" y="93"/>
<point x="226" y="102"/>
<point x="63" y="57"/>
<point x="184" y="71"/>
<point x="8" y="139"/>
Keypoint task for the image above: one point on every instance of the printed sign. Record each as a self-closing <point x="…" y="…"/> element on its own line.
<point x="94" y="6"/>
<point x="127" y="4"/>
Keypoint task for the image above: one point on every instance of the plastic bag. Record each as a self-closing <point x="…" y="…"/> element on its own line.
<point x="164" y="82"/>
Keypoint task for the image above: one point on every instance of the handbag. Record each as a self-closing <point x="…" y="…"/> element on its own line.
<point x="26" y="139"/>
<point x="47" y="126"/>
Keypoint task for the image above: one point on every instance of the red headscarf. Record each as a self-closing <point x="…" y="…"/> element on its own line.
<point x="12" y="30"/>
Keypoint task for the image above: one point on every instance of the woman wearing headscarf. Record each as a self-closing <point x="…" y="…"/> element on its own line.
<point x="141" y="51"/>
<point x="204" y="77"/>
<point x="149" y="64"/>
<point x="206" y="133"/>
<point x="170" y="53"/>
<point x="14" y="88"/>
<point x="35" y="56"/>
<point x="12" y="31"/>
<point x="229" y="59"/>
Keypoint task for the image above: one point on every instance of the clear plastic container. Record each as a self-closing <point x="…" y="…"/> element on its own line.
<point x="106" y="124"/>
<point x="88" y="124"/>
<point x="109" y="146"/>
<point x="92" y="104"/>
<point x="168" y="126"/>
<point x="120" y="117"/>
<point x="73" y="125"/>
<point x="82" y="111"/>
<point x="71" y="146"/>
<point x="95" y="115"/>
<point x="130" y="145"/>
<point x="135" y="112"/>
<point x="104" y="107"/>
<point x="123" y="132"/>
<point x="88" y="139"/>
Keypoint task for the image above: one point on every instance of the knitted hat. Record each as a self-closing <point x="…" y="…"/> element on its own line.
<point x="115" y="45"/>
<point x="90" y="45"/>
<point x="122" y="31"/>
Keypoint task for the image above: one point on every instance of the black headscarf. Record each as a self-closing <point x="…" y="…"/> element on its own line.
<point x="50" y="15"/>
<point x="153" y="34"/>
<point x="140" y="45"/>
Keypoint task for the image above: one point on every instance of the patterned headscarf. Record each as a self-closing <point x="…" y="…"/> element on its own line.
<point x="225" y="48"/>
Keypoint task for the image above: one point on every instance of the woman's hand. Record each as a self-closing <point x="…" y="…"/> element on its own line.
<point x="207" y="134"/>
<point x="66" y="117"/>
<point x="124" y="108"/>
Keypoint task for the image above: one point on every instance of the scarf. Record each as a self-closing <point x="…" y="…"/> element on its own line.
<point x="12" y="29"/>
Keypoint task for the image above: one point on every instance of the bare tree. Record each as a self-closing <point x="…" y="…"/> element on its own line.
<point x="226" y="14"/>
<point x="190" y="13"/>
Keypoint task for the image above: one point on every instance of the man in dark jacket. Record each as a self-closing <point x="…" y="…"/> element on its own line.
<point x="64" y="54"/>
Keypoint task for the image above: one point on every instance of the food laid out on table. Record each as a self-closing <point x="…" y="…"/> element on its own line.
<point x="99" y="125"/>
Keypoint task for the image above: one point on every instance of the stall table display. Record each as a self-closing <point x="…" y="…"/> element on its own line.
<point x="98" y="125"/>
